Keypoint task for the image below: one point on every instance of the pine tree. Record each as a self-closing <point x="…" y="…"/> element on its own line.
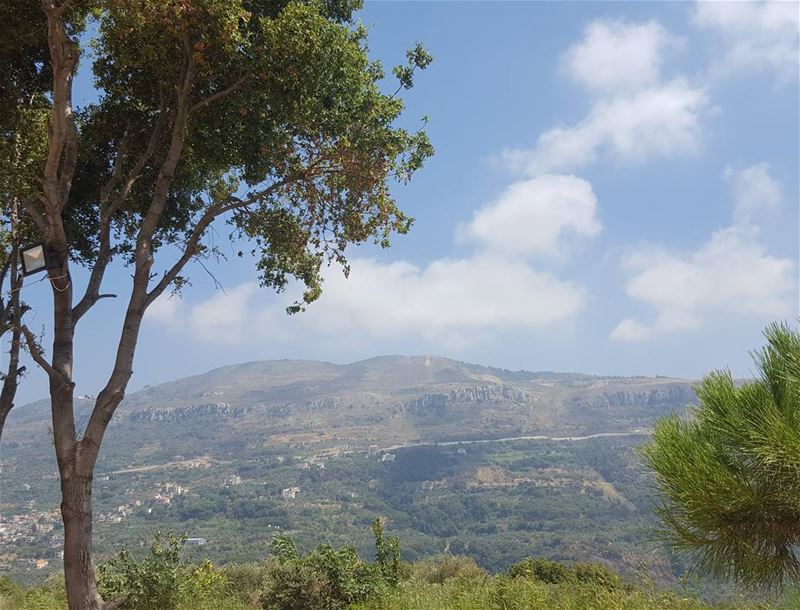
<point x="729" y="474"/>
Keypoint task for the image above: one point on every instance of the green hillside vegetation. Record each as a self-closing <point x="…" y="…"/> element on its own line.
<point x="211" y="454"/>
<point x="496" y="502"/>
<point x="328" y="578"/>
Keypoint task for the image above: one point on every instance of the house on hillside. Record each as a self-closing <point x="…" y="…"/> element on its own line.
<point x="290" y="493"/>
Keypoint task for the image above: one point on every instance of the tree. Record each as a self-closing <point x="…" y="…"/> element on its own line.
<point x="24" y="82"/>
<point x="730" y="474"/>
<point x="11" y="311"/>
<point x="262" y="117"/>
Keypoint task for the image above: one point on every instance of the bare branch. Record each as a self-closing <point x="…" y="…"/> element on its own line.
<point x="218" y="95"/>
<point x="36" y="216"/>
<point x="116" y="174"/>
<point x="112" y="394"/>
<point x="191" y="247"/>
<point x="92" y="294"/>
<point x="62" y="149"/>
<point x="217" y="284"/>
<point x="37" y="353"/>
<point x="105" y="252"/>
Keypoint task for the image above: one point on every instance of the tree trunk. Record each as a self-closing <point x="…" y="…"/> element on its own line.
<point x="3" y="415"/>
<point x="76" y="512"/>
<point x="9" y="391"/>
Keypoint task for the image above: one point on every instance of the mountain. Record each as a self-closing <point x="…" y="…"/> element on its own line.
<point x="457" y="457"/>
<point x="384" y="401"/>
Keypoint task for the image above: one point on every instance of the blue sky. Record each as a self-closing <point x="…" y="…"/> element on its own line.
<point x="615" y="191"/>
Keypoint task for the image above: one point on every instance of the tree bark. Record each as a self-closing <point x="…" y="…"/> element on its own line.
<point x="76" y="513"/>
<point x="9" y="390"/>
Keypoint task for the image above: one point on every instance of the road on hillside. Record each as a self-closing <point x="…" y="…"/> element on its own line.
<point x="537" y="437"/>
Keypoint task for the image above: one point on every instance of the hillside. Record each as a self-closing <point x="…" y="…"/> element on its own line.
<point x="385" y="401"/>
<point x="460" y="458"/>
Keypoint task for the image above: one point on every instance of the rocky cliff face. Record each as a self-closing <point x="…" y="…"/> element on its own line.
<point x="473" y="394"/>
<point x="385" y="400"/>
<point x="217" y="409"/>
<point x="676" y="395"/>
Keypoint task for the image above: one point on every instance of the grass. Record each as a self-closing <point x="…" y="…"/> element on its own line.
<point x="461" y="592"/>
<point x="502" y="593"/>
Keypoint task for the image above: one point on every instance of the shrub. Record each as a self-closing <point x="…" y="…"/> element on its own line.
<point x="11" y="595"/>
<point x="151" y="583"/>
<point x="543" y="570"/>
<point x="162" y="580"/>
<point x="247" y="580"/>
<point x="324" y="579"/>
<point x="440" y="569"/>
<point x="597" y="573"/>
<point x="49" y="595"/>
<point x="553" y="572"/>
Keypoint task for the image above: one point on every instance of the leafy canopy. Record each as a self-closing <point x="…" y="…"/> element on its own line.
<point x="730" y="475"/>
<point x="287" y="135"/>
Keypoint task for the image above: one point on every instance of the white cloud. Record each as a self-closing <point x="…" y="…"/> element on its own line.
<point x="455" y="301"/>
<point x="754" y="192"/>
<point x="535" y="216"/>
<point x="658" y="122"/>
<point x="615" y="55"/>
<point x="164" y="309"/>
<point x="449" y="301"/>
<point x="226" y="317"/>
<point x="730" y="274"/>
<point x="759" y="36"/>
<point x="449" y="296"/>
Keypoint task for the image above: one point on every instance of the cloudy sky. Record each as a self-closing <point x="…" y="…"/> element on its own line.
<point x="615" y="191"/>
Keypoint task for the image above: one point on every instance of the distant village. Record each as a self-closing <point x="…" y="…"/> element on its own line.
<point x="42" y="529"/>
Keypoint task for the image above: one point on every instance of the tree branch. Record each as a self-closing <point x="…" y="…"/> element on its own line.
<point x="36" y="216"/>
<point x="37" y="353"/>
<point x="105" y="253"/>
<point x="12" y="318"/>
<point x="62" y="148"/>
<point x="149" y="151"/>
<point x="218" y="95"/>
<point x="112" y="394"/>
<point x="213" y="212"/>
<point x="116" y="173"/>
<point x="116" y="603"/>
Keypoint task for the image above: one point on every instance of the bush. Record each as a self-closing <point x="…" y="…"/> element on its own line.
<point x="440" y="569"/>
<point x="11" y="595"/>
<point x="50" y="595"/>
<point x="543" y="570"/>
<point x="247" y="580"/>
<point x="553" y="572"/>
<point x="598" y="574"/>
<point x="324" y="579"/>
<point x="162" y="580"/>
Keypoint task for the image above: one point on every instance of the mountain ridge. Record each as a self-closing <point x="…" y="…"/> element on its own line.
<point x="387" y="400"/>
<point x="500" y="372"/>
